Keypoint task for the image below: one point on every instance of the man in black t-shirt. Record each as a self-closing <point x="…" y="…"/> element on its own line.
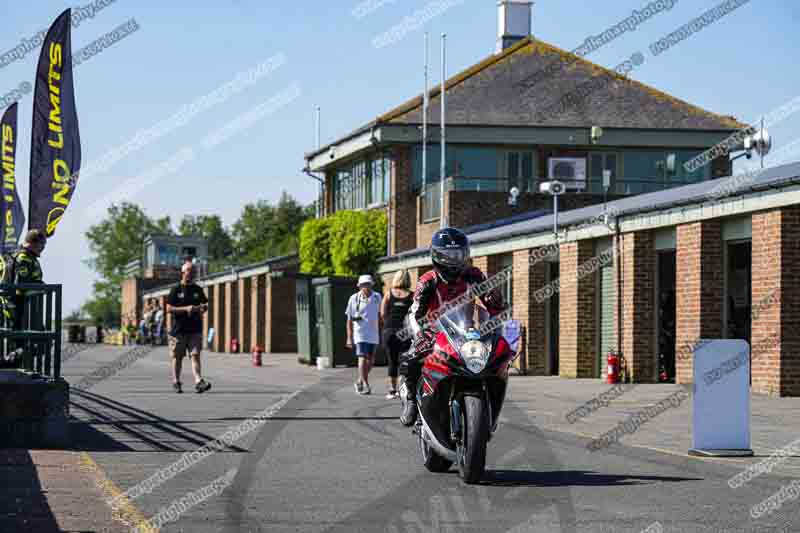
<point x="187" y="302"/>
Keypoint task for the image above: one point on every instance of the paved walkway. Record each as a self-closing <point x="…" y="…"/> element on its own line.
<point x="775" y="422"/>
<point x="132" y="424"/>
<point x="49" y="490"/>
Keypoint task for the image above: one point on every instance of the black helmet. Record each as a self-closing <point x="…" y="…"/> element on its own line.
<point x="449" y="253"/>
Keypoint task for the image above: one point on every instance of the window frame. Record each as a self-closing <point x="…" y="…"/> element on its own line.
<point x="529" y="182"/>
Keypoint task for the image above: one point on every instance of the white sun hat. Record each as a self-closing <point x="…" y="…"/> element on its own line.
<point x="365" y="279"/>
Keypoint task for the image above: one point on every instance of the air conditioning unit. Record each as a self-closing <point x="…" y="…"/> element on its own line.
<point x="571" y="171"/>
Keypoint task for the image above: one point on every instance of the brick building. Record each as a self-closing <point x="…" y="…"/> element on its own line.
<point x="162" y="256"/>
<point x="715" y="259"/>
<point x="503" y="133"/>
<point x="254" y="304"/>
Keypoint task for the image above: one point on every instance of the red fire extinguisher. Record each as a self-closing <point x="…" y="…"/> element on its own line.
<point x="234" y="345"/>
<point x="613" y="368"/>
<point x="257" y="353"/>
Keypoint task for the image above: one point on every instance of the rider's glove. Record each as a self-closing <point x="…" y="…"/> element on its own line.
<point x="424" y="343"/>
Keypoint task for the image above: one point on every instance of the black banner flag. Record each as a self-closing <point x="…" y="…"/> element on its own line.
<point x="12" y="217"/>
<point x="55" y="139"/>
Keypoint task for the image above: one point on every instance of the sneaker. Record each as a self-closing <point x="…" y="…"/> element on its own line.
<point x="359" y="387"/>
<point x="202" y="386"/>
<point x="178" y="388"/>
<point x="391" y="395"/>
<point x="366" y="390"/>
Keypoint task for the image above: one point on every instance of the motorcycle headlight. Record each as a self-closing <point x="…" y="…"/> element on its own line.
<point x="475" y="355"/>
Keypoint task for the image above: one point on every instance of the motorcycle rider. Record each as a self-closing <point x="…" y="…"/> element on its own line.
<point x="451" y="277"/>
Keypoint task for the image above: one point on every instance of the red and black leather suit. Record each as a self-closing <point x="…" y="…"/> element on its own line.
<point x="432" y="293"/>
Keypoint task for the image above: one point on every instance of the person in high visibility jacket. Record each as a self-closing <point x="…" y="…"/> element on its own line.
<point x="26" y="269"/>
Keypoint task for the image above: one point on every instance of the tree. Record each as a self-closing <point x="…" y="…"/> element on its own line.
<point x="75" y="316"/>
<point x="265" y="230"/>
<point x="104" y="306"/>
<point x="220" y="243"/>
<point x="117" y="240"/>
<point x="315" y="253"/>
<point x="347" y="243"/>
<point x="114" y="242"/>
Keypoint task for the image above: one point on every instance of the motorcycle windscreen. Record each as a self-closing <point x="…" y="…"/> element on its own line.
<point x="464" y="323"/>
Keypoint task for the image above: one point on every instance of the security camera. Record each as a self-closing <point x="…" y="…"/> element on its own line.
<point x="512" y="196"/>
<point x="596" y="133"/>
<point x="554" y="188"/>
<point x="671" y="163"/>
<point x="331" y="153"/>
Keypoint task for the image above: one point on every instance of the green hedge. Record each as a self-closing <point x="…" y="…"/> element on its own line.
<point x="348" y="243"/>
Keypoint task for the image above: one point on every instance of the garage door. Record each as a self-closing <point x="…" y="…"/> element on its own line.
<point x="607" y="301"/>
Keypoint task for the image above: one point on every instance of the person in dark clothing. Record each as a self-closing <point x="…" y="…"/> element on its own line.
<point x="187" y="302"/>
<point x="26" y="269"/>
<point x="394" y="310"/>
<point x="451" y="278"/>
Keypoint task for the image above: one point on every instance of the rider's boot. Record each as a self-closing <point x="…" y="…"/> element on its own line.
<point x="409" y="392"/>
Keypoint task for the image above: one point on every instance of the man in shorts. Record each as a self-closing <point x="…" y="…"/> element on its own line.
<point x="187" y="302"/>
<point x="363" y="327"/>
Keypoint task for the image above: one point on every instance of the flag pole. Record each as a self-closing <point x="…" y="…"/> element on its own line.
<point x="442" y="214"/>
<point x="425" y="124"/>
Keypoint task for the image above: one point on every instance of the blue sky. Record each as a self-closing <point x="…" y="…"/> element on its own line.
<point x="744" y="65"/>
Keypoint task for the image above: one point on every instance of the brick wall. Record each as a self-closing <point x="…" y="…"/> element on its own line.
<point x="207" y="316"/>
<point x="481" y="263"/>
<point x="258" y="303"/>
<point x="132" y="303"/>
<point x="130" y="298"/>
<point x="425" y="230"/>
<point x="283" y="329"/>
<point x="220" y="308"/>
<point x="231" y="313"/>
<point x="243" y="299"/>
<point x="638" y="305"/>
<point x="577" y="312"/>
<point x="699" y="290"/>
<point x="775" y="334"/>
<point x="163" y="273"/>
<point x="529" y="278"/>
<point x="790" y="302"/>
<point x="403" y="203"/>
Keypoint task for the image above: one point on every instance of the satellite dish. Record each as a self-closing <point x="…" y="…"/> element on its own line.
<point x="762" y="142"/>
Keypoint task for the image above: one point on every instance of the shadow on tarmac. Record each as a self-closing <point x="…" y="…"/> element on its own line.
<point x="570" y="478"/>
<point x="143" y="430"/>
<point x="23" y="504"/>
<point x="429" y="502"/>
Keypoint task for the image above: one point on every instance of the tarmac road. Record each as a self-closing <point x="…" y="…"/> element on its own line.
<point x="327" y="460"/>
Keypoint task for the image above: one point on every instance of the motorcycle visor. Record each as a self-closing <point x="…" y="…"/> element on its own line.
<point x="451" y="257"/>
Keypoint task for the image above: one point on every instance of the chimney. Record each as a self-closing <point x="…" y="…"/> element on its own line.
<point x="514" y="22"/>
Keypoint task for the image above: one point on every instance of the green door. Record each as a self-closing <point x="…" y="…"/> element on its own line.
<point x="607" y="303"/>
<point x="331" y="295"/>
<point x="306" y="321"/>
<point x="322" y="308"/>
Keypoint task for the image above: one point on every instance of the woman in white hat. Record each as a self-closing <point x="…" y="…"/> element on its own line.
<point x="363" y="329"/>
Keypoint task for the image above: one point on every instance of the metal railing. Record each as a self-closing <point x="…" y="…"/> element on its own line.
<point x="38" y="332"/>
<point x="620" y="186"/>
<point x="431" y="200"/>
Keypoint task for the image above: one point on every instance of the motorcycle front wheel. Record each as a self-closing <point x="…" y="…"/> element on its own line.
<point x="475" y="435"/>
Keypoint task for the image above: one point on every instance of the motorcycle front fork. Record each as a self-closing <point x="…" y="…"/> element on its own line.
<point x="456" y="431"/>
